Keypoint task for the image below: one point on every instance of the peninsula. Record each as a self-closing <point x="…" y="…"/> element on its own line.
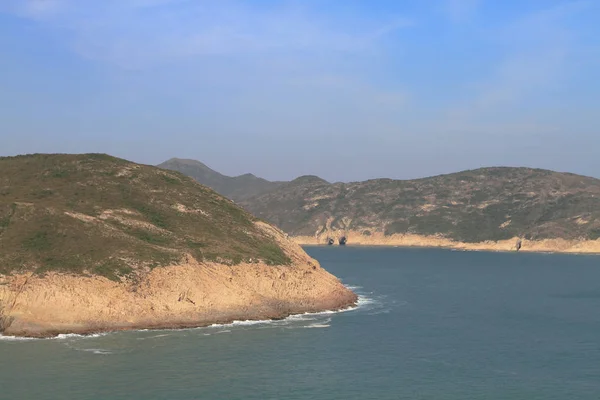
<point x="93" y="243"/>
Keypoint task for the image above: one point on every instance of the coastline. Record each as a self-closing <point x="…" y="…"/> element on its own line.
<point x="221" y="324"/>
<point x="190" y="294"/>
<point x="106" y="329"/>
<point x="422" y="241"/>
<point x="193" y="295"/>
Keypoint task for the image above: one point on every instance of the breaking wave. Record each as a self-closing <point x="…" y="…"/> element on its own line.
<point x="320" y="319"/>
<point x="15" y="338"/>
<point x="62" y="336"/>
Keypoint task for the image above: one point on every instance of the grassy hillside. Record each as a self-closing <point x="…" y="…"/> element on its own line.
<point x="470" y="206"/>
<point x="102" y="215"/>
<point x="236" y="188"/>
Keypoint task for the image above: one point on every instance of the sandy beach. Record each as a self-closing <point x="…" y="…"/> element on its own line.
<point x="379" y="239"/>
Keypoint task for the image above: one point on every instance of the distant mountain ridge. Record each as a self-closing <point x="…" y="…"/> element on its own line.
<point x="234" y="187"/>
<point x="486" y="204"/>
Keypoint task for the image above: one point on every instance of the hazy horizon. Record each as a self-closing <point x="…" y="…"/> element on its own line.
<point x="292" y="177"/>
<point x="377" y="177"/>
<point x="347" y="91"/>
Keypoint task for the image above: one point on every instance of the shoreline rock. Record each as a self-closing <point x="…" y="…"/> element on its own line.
<point x="409" y="240"/>
<point x="182" y="296"/>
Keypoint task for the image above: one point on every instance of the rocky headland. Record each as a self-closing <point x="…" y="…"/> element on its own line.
<point x="92" y="243"/>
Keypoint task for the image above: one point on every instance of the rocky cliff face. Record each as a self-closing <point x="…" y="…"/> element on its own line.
<point x="188" y="294"/>
<point x="93" y="243"/>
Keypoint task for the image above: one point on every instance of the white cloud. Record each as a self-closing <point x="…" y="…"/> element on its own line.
<point x="282" y="66"/>
<point x="135" y="33"/>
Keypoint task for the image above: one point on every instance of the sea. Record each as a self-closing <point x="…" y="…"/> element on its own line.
<point x="430" y="324"/>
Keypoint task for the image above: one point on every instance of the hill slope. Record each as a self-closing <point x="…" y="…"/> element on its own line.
<point x="235" y="188"/>
<point x="63" y="211"/>
<point x="488" y="204"/>
<point x="83" y="237"/>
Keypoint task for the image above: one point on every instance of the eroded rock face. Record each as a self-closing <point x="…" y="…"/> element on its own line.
<point x="189" y="294"/>
<point x="186" y="295"/>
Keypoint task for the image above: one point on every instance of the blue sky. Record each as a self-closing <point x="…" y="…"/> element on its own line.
<point x="346" y="89"/>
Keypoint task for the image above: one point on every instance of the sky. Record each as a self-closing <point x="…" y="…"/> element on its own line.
<point x="344" y="89"/>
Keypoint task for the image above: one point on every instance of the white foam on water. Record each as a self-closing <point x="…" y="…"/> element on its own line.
<point x="363" y="301"/>
<point x="15" y="338"/>
<point x="317" y="326"/>
<point x="166" y="334"/>
<point x="225" y="331"/>
<point x="321" y="324"/>
<point x="63" y="336"/>
<point x="353" y="287"/>
<point x="250" y="322"/>
<point x="240" y="323"/>
<point x="96" y="351"/>
<point x="298" y="318"/>
<point x="153" y="337"/>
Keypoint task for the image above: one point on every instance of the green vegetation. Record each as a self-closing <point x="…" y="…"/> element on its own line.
<point x="96" y="214"/>
<point x="156" y="217"/>
<point x="171" y="180"/>
<point x="594" y="234"/>
<point x="470" y="206"/>
<point x="112" y="269"/>
<point x="5" y="219"/>
<point x="149" y="237"/>
<point x="272" y="253"/>
<point x="39" y="241"/>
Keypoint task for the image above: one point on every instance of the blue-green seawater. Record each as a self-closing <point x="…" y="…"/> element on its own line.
<point x="432" y="324"/>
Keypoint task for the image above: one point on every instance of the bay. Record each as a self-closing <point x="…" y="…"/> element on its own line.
<point x="431" y="324"/>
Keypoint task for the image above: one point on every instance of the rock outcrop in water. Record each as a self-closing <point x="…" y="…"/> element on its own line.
<point x="93" y="243"/>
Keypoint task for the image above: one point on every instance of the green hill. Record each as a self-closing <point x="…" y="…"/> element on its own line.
<point x="96" y="214"/>
<point x="470" y="206"/>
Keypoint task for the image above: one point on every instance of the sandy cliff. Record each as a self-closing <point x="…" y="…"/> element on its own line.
<point x="186" y="295"/>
